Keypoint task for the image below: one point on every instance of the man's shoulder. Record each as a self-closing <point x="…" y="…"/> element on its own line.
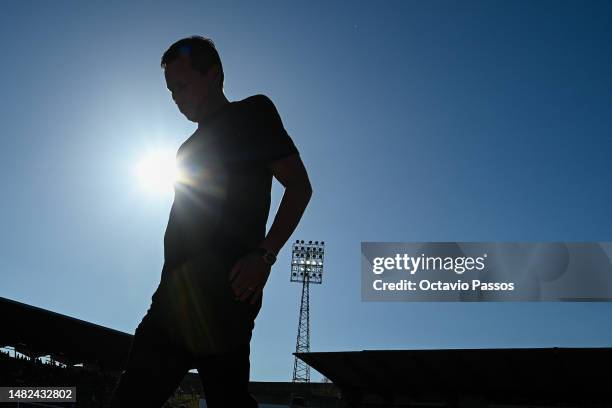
<point x="257" y="104"/>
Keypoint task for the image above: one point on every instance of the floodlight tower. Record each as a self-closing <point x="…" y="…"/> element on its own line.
<point x="307" y="268"/>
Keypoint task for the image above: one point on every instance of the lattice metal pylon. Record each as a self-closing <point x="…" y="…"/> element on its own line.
<point x="307" y="268"/>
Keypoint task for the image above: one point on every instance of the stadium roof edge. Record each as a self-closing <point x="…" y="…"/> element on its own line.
<point x="70" y="340"/>
<point x="56" y="314"/>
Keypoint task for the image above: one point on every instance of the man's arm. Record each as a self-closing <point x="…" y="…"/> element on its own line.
<point x="250" y="274"/>
<point x="290" y="172"/>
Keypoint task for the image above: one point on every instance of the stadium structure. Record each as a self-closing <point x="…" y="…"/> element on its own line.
<point x="90" y="357"/>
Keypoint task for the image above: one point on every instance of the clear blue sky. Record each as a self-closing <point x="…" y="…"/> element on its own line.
<point x="418" y="121"/>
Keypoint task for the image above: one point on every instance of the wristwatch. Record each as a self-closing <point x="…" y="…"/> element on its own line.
<point x="268" y="256"/>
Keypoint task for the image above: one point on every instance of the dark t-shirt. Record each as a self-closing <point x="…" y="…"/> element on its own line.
<point x="222" y="199"/>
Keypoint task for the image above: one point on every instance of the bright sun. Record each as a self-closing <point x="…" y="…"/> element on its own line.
<point x="157" y="171"/>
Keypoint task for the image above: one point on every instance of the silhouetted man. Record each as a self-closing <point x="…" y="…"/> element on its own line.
<point x="217" y="254"/>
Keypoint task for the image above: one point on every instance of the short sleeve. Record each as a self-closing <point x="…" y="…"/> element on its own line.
<point x="271" y="141"/>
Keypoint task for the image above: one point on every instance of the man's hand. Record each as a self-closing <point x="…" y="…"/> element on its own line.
<point x="249" y="276"/>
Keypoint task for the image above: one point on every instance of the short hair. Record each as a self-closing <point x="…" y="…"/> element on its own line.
<point x="201" y="51"/>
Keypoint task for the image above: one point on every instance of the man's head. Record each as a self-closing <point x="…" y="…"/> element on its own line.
<point x="194" y="76"/>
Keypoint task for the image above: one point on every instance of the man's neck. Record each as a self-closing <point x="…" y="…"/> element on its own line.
<point x="215" y="104"/>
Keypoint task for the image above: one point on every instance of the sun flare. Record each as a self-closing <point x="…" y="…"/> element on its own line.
<point x="157" y="171"/>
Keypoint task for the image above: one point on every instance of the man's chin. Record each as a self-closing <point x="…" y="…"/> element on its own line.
<point x="190" y="116"/>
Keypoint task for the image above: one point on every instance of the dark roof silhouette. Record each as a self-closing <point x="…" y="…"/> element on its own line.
<point x="518" y="376"/>
<point x="38" y="332"/>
